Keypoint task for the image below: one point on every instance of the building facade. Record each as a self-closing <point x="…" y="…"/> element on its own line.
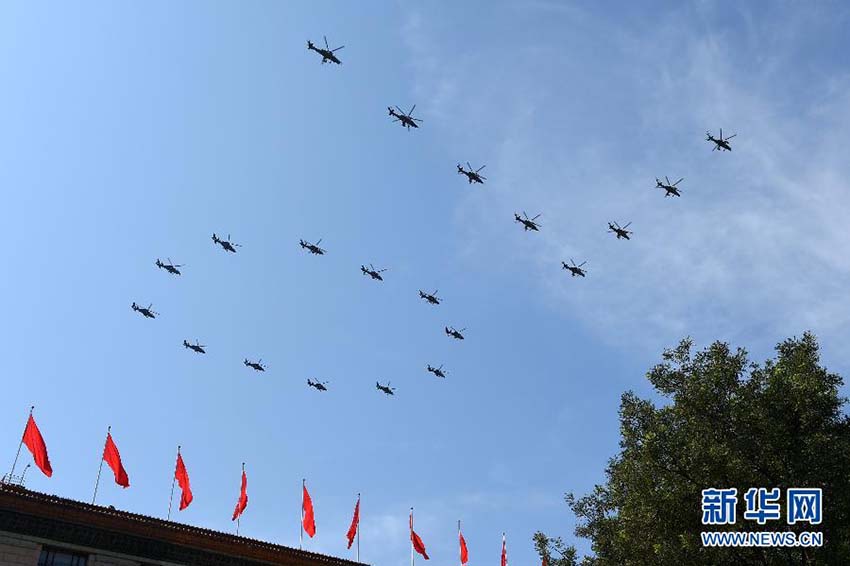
<point x="44" y="530"/>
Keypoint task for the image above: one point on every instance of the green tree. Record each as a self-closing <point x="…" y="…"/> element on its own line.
<point x="728" y="423"/>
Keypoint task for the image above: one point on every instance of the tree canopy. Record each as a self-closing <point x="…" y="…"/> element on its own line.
<point x="729" y="423"/>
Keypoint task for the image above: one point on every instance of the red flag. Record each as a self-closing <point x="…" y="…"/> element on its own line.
<point x="418" y="545"/>
<point x="545" y="562"/>
<point x="355" y="523"/>
<point x="308" y="519"/>
<point x="464" y="553"/>
<point x="113" y="458"/>
<point x="182" y="477"/>
<point x="32" y="438"/>
<point x="243" y="497"/>
<point x="504" y="552"/>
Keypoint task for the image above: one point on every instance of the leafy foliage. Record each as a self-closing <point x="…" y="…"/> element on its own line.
<point x="729" y="423"/>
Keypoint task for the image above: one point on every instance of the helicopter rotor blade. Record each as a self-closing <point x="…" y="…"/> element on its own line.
<point x="399" y="109"/>
<point x="732" y="136"/>
<point x="326" y="42"/>
<point x="679" y="181"/>
<point x="627" y="225"/>
<point x="536" y="217"/>
<point x="582" y="263"/>
<point x="337" y="49"/>
<point x="412" y="108"/>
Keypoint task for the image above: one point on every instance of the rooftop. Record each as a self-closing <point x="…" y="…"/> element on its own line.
<point x="44" y="516"/>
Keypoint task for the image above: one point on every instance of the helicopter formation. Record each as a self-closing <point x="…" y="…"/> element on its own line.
<point x="472" y="175"/>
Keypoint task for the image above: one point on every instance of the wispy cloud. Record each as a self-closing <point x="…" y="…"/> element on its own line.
<point x="755" y="248"/>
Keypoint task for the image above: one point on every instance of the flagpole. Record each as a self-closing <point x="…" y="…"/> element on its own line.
<point x="358" y="528"/>
<point x="459" y="551"/>
<point x="171" y="499"/>
<point x="411" y="536"/>
<point x="15" y="463"/>
<point x="100" y="469"/>
<point x="239" y="517"/>
<point x="301" y="536"/>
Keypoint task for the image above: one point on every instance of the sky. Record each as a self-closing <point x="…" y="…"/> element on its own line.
<point x="133" y="131"/>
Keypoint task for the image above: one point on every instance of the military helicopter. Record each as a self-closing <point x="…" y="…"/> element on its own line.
<point x="668" y="186"/>
<point x="407" y="120"/>
<point x="313" y="248"/>
<point x="436" y="371"/>
<point x="257" y="366"/>
<point x="146" y="312"/>
<point x="385" y="388"/>
<point x="621" y="232"/>
<point x="574" y="269"/>
<point x="528" y="223"/>
<point x="169" y="267"/>
<point x="471" y="175"/>
<point x="320" y="385"/>
<point x="430" y="297"/>
<point x="227" y="245"/>
<point x="327" y="53"/>
<point x="196" y="347"/>
<point x="720" y="143"/>
<point x="372" y="272"/>
<point x="456" y="334"/>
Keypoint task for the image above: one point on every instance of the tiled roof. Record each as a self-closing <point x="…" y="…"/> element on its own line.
<point x="22" y="509"/>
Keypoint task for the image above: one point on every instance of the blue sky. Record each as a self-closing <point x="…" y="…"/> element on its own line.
<point x="132" y="131"/>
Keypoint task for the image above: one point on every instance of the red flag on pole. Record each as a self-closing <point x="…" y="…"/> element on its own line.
<point x="243" y="496"/>
<point x="308" y="519"/>
<point x="32" y="438"/>
<point x="504" y="551"/>
<point x="418" y="545"/>
<point x="113" y="458"/>
<point x="545" y="562"/>
<point x="182" y="477"/>
<point x="355" y="523"/>
<point x="464" y="553"/>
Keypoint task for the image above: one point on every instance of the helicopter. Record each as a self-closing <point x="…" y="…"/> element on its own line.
<point x="146" y="312"/>
<point x="257" y="366"/>
<point x="196" y="347"/>
<point x="313" y="248"/>
<point x="385" y="388"/>
<point x="574" y="269"/>
<point x="720" y="143"/>
<point x="169" y="267"/>
<point x="471" y="175"/>
<point x="668" y="186"/>
<point x="527" y="223"/>
<point x="621" y="232"/>
<point x="456" y="334"/>
<point x="227" y="245"/>
<point x="436" y="371"/>
<point x="327" y="53"/>
<point x="320" y="385"/>
<point x="372" y="272"/>
<point x="430" y="297"/>
<point x="407" y="120"/>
